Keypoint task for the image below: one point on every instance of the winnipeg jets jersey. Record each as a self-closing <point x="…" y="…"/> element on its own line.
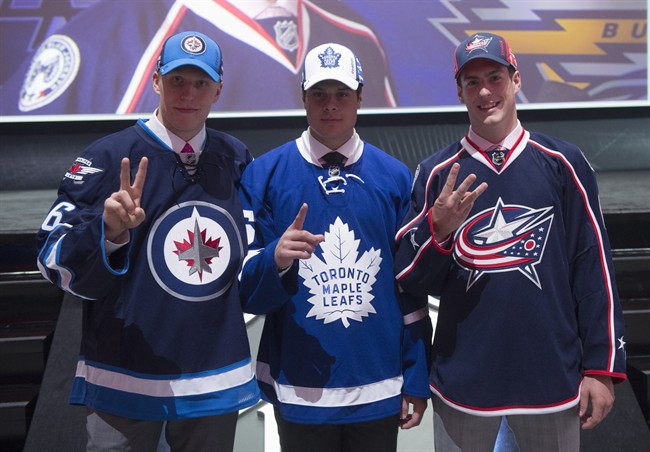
<point x="163" y="329"/>
<point x="339" y="344"/>
<point x="528" y="301"/>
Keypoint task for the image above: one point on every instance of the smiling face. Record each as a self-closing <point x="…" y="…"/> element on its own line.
<point x="186" y="97"/>
<point x="331" y="109"/>
<point x="489" y="93"/>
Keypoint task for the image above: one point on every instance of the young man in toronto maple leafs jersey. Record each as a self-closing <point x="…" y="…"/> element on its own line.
<point x="530" y="326"/>
<point x="342" y="354"/>
<point x="147" y="231"/>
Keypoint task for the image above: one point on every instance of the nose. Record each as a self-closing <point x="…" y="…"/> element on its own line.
<point x="329" y="104"/>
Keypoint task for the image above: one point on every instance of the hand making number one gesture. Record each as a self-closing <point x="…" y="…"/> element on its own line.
<point x="122" y="210"/>
<point x="296" y="243"/>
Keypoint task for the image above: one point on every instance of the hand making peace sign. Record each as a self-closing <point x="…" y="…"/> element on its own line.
<point x="122" y="210"/>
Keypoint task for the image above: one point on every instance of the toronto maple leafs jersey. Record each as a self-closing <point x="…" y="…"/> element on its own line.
<point x="339" y="344"/>
<point x="66" y="71"/>
<point x="528" y="301"/>
<point x="163" y="330"/>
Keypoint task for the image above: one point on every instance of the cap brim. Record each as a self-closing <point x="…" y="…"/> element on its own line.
<point x="190" y="62"/>
<point x="486" y="56"/>
<point x="351" y="83"/>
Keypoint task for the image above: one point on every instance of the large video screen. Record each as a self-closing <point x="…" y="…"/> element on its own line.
<point x="96" y="57"/>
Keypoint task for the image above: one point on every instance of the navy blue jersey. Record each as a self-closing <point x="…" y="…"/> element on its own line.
<point x="163" y="329"/>
<point x="528" y="302"/>
<point x="78" y="70"/>
<point x="339" y="344"/>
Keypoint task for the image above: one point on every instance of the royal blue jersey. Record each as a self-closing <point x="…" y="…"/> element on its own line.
<point x="163" y="330"/>
<point x="528" y="301"/>
<point x="339" y="343"/>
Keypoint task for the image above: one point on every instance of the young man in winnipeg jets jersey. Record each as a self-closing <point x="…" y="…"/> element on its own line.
<point x="147" y="231"/>
<point x="530" y="326"/>
<point x="342" y="355"/>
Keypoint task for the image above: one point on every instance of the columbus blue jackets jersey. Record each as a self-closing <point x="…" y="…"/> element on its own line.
<point x="528" y="301"/>
<point x="163" y="330"/>
<point x="78" y="70"/>
<point x="339" y="344"/>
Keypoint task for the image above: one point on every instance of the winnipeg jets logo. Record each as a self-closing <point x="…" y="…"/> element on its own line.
<point x="339" y="284"/>
<point x="502" y="239"/>
<point x="80" y="168"/>
<point x="198" y="250"/>
<point x="194" y="251"/>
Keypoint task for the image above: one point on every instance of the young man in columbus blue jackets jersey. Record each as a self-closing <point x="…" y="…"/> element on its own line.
<point x="530" y="326"/>
<point x="343" y="355"/>
<point x="148" y="232"/>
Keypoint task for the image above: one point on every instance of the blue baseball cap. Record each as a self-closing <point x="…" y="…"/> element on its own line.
<point x="191" y="48"/>
<point x="483" y="45"/>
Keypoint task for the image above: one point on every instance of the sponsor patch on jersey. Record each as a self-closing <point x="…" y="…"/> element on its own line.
<point x="194" y="251"/>
<point x="502" y="239"/>
<point x="339" y="281"/>
<point x="80" y="168"/>
<point x="53" y="68"/>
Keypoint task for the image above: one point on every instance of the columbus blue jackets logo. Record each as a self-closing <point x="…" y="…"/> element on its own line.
<point x="194" y="251"/>
<point x="505" y="238"/>
<point x="52" y="70"/>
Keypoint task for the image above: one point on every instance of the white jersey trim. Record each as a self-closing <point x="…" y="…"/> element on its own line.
<point x="164" y="387"/>
<point x="331" y="397"/>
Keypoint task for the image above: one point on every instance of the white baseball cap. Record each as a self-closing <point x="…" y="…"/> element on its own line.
<point x="332" y="62"/>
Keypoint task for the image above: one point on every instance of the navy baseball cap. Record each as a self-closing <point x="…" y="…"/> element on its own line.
<point x="483" y="45"/>
<point x="332" y="62"/>
<point x="191" y="48"/>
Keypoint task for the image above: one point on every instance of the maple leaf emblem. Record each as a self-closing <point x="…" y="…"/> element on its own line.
<point x="198" y="252"/>
<point x="340" y="284"/>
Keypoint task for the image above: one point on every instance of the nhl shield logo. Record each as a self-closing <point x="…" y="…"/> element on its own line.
<point x="194" y="250"/>
<point x="286" y="34"/>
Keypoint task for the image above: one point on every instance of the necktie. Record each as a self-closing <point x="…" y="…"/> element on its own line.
<point x="333" y="158"/>
<point x="187" y="155"/>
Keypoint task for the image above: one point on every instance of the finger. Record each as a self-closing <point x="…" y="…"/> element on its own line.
<point x="125" y="174"/>
<point x="450" y="183"/>
<point x="141" y="175"/>
<point x="300" y="218"/>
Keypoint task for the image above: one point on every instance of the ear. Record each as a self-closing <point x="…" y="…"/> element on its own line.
<point x="217" y="92"/>
<point x="460" y="94"/>
<point x="156" y="80"/>
<point x="359" y="97"/>
<point x="516" y="79"/>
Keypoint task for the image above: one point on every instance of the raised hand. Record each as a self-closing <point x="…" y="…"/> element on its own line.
<point x="122" y="209"/>
<point x="452" y="207"/>
<point x="296" y="243"/>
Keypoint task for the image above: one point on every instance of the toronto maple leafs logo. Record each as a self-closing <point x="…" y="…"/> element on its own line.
<point x="329" y="58"/>
<point x="502" y="239"/>
<point x="194" y="250"/>
<point x="340" y="284"/>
